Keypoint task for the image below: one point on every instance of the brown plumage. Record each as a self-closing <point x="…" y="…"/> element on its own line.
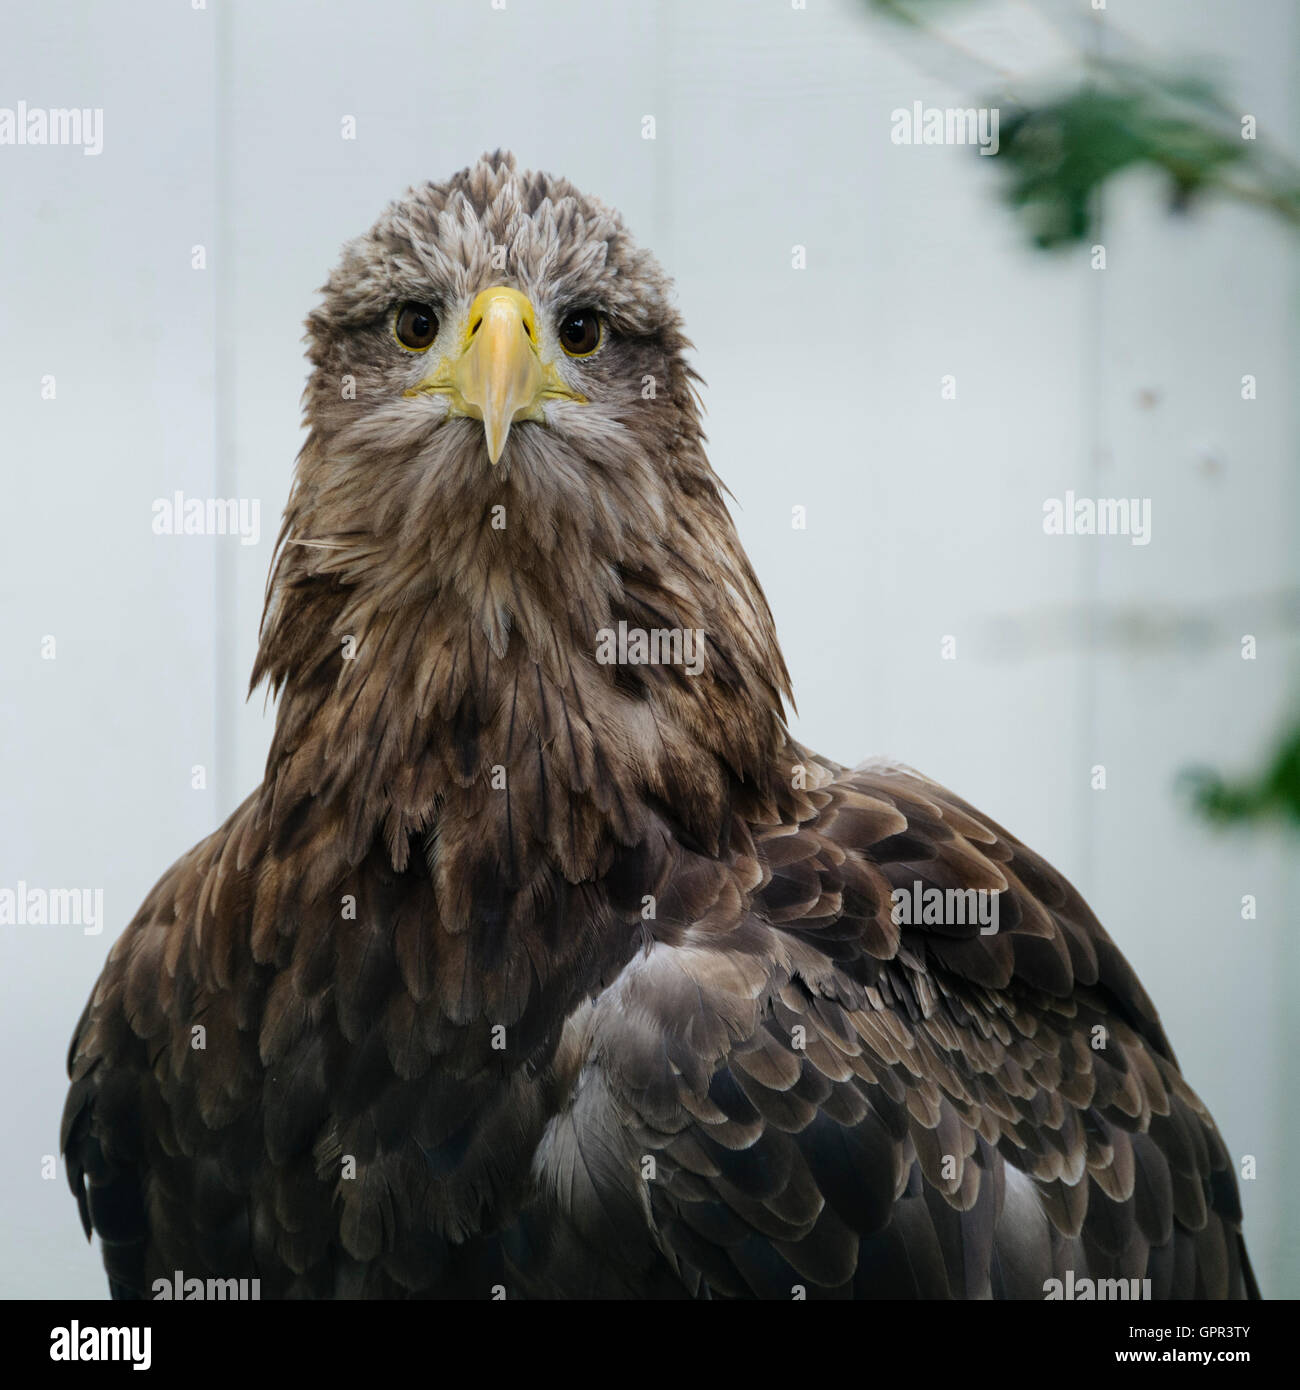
<point x="523" y="971"/>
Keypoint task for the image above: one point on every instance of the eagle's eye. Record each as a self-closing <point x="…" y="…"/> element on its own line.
<point x="580" y="332"/>
<point x="416" y="326"/>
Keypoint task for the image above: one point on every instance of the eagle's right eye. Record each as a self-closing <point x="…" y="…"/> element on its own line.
<point x="416" y="326"/>
<point x="580" y="333"/>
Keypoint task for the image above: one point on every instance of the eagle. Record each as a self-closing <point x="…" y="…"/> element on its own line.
<point x="545" y="962"/>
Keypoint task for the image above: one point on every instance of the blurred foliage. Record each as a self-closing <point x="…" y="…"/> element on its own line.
<point x="1119" y="114"/>
<point x="1058" y="153"/>
<point x="1274" y="795"/>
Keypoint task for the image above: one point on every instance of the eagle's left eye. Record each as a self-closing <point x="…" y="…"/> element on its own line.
<point x="580" y="332"/>
<point x="416" y="326"/>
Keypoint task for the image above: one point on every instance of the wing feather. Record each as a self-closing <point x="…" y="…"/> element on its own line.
<point x="856" y="1106"/>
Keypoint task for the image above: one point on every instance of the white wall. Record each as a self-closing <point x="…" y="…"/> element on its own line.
<point x="222" y="128"/>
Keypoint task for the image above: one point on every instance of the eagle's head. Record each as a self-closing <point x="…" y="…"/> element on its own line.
<point x="500" y="341"/>
<point x="492" y="302"/>
<point x="504" y="467"/>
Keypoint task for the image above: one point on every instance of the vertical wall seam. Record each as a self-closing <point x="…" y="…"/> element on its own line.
<point x="224" y="471"/>
<point x="1098" y="433"/>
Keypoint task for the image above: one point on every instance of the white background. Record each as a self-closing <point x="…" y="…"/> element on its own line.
<point x="222" y="129"/>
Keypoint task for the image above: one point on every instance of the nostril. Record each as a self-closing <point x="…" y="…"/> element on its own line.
<point x="475" y="326"/>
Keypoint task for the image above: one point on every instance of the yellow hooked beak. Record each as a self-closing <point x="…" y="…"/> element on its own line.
<point x="498" y="376"/>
